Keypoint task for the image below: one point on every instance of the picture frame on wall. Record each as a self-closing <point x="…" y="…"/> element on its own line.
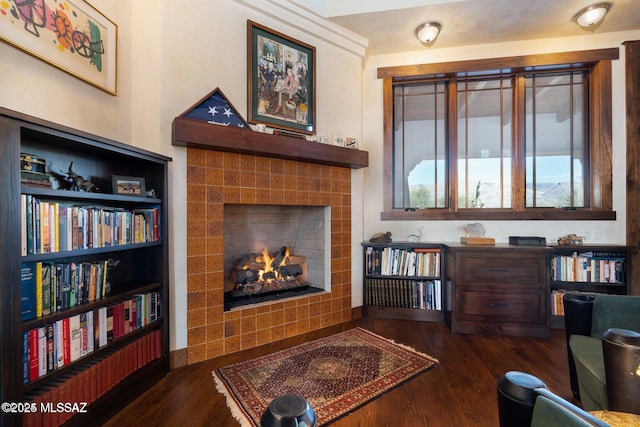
<point x="128" y="186"/>
<point x="281" y="80"/>
<point x="71" y="35"/>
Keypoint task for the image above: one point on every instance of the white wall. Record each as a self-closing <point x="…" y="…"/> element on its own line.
<point x="170" y="55"/>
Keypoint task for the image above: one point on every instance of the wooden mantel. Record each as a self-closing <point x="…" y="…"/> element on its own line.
<point x="199" y="134"/>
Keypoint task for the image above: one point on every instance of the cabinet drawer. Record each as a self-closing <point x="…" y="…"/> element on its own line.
<point x="500" y="307"/>
<point x="502" y="268"/>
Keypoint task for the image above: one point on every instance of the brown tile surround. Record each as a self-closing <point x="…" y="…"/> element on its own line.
<point x="215" y="178"/>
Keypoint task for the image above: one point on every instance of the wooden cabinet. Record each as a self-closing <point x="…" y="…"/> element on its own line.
<point x="403" y="281"/>
<point x="118" y="237"/>
<point x="499" y="290"/>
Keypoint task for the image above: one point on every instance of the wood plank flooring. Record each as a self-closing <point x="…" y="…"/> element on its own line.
<point x="461" y="391"/>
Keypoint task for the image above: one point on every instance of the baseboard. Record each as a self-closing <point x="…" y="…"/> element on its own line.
<point x="178" y="358"/>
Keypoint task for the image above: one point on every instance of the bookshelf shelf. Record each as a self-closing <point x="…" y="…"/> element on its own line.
<point x="92" y="281"/>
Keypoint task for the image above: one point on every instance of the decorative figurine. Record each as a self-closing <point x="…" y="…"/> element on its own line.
<point x="78" y="182"/>
<point x="415" y="237"/>
<point x="474" y="230"/>
<point x="571" y="240"/>
<point x="381" y="238"/>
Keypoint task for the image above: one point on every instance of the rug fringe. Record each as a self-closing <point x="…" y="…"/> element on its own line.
<point x="406" y="347"/>
<point x="232" y="404"/>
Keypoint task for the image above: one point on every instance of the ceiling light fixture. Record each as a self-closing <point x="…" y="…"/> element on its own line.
<point x="591" y="16"/>
<point x="428" y="32"/>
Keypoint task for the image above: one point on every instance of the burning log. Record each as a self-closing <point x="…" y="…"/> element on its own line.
<point x="293" y="270"/>
<point x="280" y="257"/>
<point x="242" y="277"/>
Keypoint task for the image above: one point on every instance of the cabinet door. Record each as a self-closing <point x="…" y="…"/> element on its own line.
<point x="501" y="269"/>
<point x="521" y="307"/>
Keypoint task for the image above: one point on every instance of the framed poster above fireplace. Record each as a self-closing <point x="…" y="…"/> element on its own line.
<point x="281" y="80"/>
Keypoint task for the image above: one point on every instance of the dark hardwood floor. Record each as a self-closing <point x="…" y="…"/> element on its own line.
<point x="461" y="391"/>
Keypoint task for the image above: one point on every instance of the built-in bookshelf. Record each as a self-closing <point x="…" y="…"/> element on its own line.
<point x="403" y="281"/>
<point x="586" y="268"/>
<point x="84" y="288"/>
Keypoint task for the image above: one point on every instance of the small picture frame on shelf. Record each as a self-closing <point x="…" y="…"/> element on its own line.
<point x="128" y="185"/>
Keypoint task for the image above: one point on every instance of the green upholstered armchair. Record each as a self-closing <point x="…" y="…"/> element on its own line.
<point x="617" y="317"/>
<point x="524" y="400"/>
<point x="550" y="410"/>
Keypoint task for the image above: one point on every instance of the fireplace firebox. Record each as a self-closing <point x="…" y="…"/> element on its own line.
<point x="255" y="272"/>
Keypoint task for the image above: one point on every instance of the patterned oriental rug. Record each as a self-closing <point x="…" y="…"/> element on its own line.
<point x="336" y="374"/>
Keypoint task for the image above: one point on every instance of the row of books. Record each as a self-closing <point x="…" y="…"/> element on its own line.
<point x="87" y="384"/>
<point x="49" y="226"/>
<point x="588" y="267"/>
<point x="418" y="294"/>
<point x="49" y="287"/>
<point x="389" y="261"/>
<point x="60" y="343"/>
<point x="557" y="303"/>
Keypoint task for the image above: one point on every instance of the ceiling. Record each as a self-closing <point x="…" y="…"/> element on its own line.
<point x="389" y="25"/>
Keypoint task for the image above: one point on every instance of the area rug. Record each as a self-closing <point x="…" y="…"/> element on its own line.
<point x="336" y="374"/>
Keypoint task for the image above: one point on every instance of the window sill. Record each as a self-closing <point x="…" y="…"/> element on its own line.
<point x="545" y="214"/>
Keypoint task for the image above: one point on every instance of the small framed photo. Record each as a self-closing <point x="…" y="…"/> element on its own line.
<point x="128" y="185"/>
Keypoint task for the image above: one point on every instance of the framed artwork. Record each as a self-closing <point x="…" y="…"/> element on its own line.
<point x="281" y="80"/>
<point x="71" y="35"/>
<point x="128" y="185"/>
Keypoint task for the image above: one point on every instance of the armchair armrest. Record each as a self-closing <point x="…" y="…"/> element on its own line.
<point x="577" y="321"/>
<point x="621" y="351"/>
<point x="550" y="410"/>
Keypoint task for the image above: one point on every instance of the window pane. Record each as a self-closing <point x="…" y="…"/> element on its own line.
<point x="484" y="143"/>
<point x="419" y="146"/>
<point x="555" y="138"/>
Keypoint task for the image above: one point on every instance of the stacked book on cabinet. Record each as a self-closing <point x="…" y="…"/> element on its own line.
<point x="419" y="294"/>
<point x="391" y="261"/>
<point x="590" y="266"/>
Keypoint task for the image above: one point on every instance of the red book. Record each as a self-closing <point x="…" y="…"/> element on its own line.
<point x="93" y="377"/>
<point x="34" y="370"/>
<point x="158" y="341"/>
<point x="134" y="321"/>
<point x="66" y="341"/>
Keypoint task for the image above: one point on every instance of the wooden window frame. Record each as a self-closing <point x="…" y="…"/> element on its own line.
<point x="600" y="134"/>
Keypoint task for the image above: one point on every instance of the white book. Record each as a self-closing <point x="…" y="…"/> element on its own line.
<point x="102" y="326"/>
<point x="58" y="344"/>
<point x="75" y="334"/>
<point x="23" y="224"/>
<point x="42" y="351"/>
<point x="91" y="337"/>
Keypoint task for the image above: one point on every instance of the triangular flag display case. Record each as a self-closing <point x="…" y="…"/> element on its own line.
<point x="215" y="108"/>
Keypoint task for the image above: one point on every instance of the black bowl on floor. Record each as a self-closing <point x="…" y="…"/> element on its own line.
<point x="289" y="410"/>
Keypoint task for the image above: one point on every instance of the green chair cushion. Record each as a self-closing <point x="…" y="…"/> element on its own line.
<point x="615" y="311"/>
<point x="547" y="413"/>
<point x="592" y="382"/>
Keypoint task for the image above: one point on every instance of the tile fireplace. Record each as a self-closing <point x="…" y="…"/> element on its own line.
<point x="221" y="183"/>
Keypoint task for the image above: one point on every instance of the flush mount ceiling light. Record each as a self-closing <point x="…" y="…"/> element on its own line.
<point x="591" y="16"/>
<point x="428" y="32"/>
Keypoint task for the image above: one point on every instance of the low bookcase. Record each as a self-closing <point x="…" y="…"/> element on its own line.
<point x="403" y="280"/>
<point x="83" y="273"/>
<point x="586" y="268"/>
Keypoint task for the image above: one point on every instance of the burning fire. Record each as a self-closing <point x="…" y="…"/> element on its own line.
<point x="269" y="273"/>
<point x="279" y="270"/>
